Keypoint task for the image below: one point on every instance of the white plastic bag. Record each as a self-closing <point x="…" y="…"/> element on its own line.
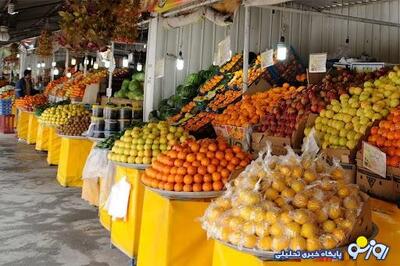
<point x="117" y="204"/>
<point x="96" y="164"/>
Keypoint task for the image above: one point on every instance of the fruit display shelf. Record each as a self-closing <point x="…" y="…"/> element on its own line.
<point x="132" y="165"/>
<point x="72" y="137"/>
<point x="172" y="195"/>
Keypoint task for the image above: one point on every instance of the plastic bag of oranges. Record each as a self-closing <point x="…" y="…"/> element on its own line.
<point x="286" y="202"/>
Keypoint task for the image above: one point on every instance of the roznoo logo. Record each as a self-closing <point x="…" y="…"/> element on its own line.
<point x="362" y="245"/>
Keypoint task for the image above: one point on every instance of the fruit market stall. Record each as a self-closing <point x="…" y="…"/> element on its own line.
<point x="7" y="95"/>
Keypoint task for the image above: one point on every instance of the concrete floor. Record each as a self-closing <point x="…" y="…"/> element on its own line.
<point x="42" y="223"/>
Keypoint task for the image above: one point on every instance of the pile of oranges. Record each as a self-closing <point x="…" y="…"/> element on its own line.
<point x="251" y="109"/>
<point x="195" y="166"/>
<point x="27" y="103"/>
<point x="386" y="136"/>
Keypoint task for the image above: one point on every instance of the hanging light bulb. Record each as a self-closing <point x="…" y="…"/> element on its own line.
<point x="18" y="55"/>
<point x="56" y="72"/>
<point x="145" y="46"/>
<point x="86" y="61"/>
<point x="53" y="64"/>
<point x="29" y="68"/>
<point x="95" y="65"/>
<point x="281" y="50"/>
<point x="73" y="61"/>
<point x="69" y="75"/>
<point x="139" y="67"/>
<point x="107" y="64"/>
<point x="43" y="64"/>
<point x="125" y="62"/>
<point x="38" y="65"/>
<point x="180" y="63"/>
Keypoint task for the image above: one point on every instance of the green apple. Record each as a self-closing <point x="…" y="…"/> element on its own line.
<point x="155" y="147"/>
<point x="140" y="147"/>
<point x="329" y="114"/>
<point x="342" y="141"/>
<point x="147" y="147"/>
<point x="172" y="129"/>
<point x="133" y="152"/>
<point x="163" y="140"/>
<point x="131" y="159"/>
<point x="147" y="153"/>
<point x="139" y="160"/>
<point x="351" y="144"/>
<point x="343" y="132"/>
<point x="163" y="147"/>
<point x="146" y="160"/>
<point x="394" y="103"/>
<point x="149" y="141"/>
<point x="384" y="112"/>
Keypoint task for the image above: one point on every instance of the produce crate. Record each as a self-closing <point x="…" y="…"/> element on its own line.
<point x="7" y="124"/>
<point x="374" y="184"/>
<point x="260" y="139"/>
<point x="240" y="136"/>
<point x="5" y="106"/>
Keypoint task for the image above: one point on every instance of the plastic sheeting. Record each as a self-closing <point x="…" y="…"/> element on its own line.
<point x="54" y="146"/>
<point x="117" y="204"/>
<point x="22" y="124"/>
<point x="32" y="129"/>
<point x="73" y="155"/>
<point x="171" y="234"/>
<point x="125" y="234"/>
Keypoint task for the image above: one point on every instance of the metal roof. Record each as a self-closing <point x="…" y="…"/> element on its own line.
<point x="327" y="4"/>
<point x="31" y="17"/>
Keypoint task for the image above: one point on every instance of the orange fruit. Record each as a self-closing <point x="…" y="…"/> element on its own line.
<point x="219" y="155"/>
<point x="187" y="188"/>
<point x="235" y="161"/>
<point x="169" y="186"/>
<point x="223" y="162"/>
<point x="231" y="167"/>
<point x="207" y="178"/>
<point x="213" y="147"/>
<point x="197" y="187"/>
<point x="210" y="154"/>
<point x="205" y="162"/>
<point x="198" y="178"/>
<point x="211" y="168"/>
<point x="196" y="163"/>
<point x="215" y="162"/>
<point x="216" y="176"/>
<point x="178" y="187"/>
<point x="225" y="173"/>
<point x="200" y="156"/>
<point x="191" y="157"/>
<point x="207" y="186"/>
<point x="182" y="155"/>
<point x="202" y="170"/>
<point x="181" y="171"/>
<point x="178" y="163"/>
<point x="188" y="179"/>
<point x="191" y="170"/>
<point x="195" y="147"/>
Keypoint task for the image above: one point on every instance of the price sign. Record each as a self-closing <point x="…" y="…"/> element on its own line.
<point x="267" y="58"/>
<point x="160" y="68"/>
<point x="224" y="51"/>
<point x="317" y="63"/>
<point x="374" y="159"/>
<point x="109" y="92"/>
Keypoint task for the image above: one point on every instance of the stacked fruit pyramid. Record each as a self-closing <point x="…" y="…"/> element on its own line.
<point x="287" y="202"/>
<point x="141" y="144"/>
<point x="344" y="122"/>
<point x="204" y="165"/>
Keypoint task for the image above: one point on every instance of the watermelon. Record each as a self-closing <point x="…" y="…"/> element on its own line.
<point x="125" y="84"/>
<point x="139" y="76"/>
<point x="134" y="85"/>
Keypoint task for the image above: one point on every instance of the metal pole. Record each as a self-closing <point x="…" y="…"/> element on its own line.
<point x="85" y="65"/>
<point x="110" y="72"/>
<point x="52" y="67"/>
<point x="246" y="47"/>
<point x="66" y="61"/>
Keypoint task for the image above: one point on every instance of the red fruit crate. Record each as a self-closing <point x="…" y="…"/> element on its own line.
<point x="7" y="124"/>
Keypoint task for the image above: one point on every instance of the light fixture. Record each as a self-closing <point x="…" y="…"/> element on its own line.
<point x="18" y="55"/>
<point x="106" y="64"/>
<point x="180" y="63"/>
<point x="43" y="64"/>
<point x="56" y="72"/>
<point x="139" y="67"/>
<point x="281" y="50"/>
<point x="69" y="75"/>
<point x="11" y="9"/>
<point x="86" y="61"/>
<point x="145" y="46"/>
<point x="125" y="62"/>
<point x="95" y="65"/>
<point x="29" y="68"/>
<point x="53" y="64"/>
<point x="73" y="61"/>
<point x="4" y="35"/>
<point x="38" y="65"/>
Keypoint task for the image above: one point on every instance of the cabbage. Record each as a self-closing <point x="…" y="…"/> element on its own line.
<point x="125" y="84"/>
<point x="134" y="85"/>
<point x="192" y="79"/>
<point x="138" y="76"/>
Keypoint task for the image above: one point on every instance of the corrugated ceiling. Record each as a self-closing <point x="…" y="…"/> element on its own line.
<point x="326" y="4"/>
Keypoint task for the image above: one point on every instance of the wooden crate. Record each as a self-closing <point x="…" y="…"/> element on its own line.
<point x="7" y="124"/>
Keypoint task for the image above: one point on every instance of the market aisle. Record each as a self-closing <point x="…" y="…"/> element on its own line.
<point x="42" y="223"/>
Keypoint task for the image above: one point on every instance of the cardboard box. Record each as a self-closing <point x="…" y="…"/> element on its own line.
<point x="395" y="174"/>
<point x="259" y="140"/>
<point x="375" y="185"/>
<point x="350" y="171"/>
<point x="240" y="136"/>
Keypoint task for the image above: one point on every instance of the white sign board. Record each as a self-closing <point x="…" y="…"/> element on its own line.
<point x="267" y="58"/>
<point x="374" y="159"/>
<point x="91" y="91"/>
<point x="317" y="63"/>
<point x="224" y="51"/>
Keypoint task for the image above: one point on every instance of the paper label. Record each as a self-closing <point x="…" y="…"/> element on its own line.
<point x="267" y="58"/>
<point x="224" y="51"/>
<point x="374" y="159"/>
<point x="317" y="63"/>
<point x="160" y="68"/>
<point x="109" y="92"/>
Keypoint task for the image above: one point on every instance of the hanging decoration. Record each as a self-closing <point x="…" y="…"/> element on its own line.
<point x="127" y="15"/>
<point x="45" y="44"/>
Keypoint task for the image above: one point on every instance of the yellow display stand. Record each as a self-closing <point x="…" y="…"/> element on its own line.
<point x="125" y="233"/>
<point x="54" y="146"/>
<point x="32" y="129"/>
<point x="105" y="219"/>
<point x="385" y="215"/>
<point x="171" y="234"/>
<point x="22" y="124"/>
<point x="42" y="138"/>
<point x="73" y="154"/>
<point x="14" y="112"/>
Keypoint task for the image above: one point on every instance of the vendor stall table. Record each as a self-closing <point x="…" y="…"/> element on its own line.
<point x="385" y="215"/>
<point x="125" y="233"/>
<point x="105" y="219"/>
<point x="22" y="124"/>
<point x="42" y="137"/>
<point x="54" y="146"/>
<point x="72" y="158"/>
<point x="32" y="129"/>
<point x="171" y="234"/>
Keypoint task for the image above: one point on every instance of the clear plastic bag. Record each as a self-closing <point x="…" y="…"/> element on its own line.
<point x="96" y="164"/>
